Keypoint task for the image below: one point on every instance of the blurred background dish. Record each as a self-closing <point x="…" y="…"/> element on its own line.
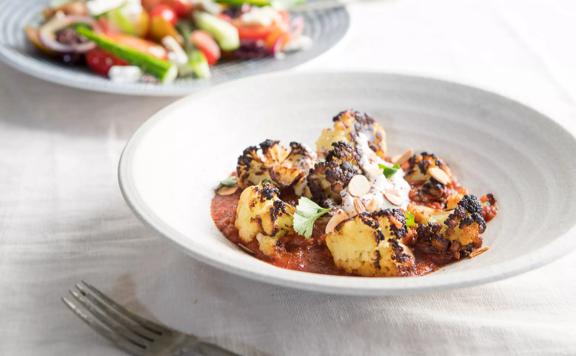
<point x="324" y="26"/>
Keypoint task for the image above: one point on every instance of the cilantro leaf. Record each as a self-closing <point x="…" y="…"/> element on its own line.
<point x="231" y="181"/>
<point x="409" y="219"/>
<point x="389" y="171"/>
<point x="307" y="212"/>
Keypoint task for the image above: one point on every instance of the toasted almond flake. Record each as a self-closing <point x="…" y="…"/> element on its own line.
<point x="246" y="249"/>
<point x="401" y="158"/>
<point x="393" y="196"/>
<point x="372" y="205"/>
<point x="226" y="190"/>
<point x="336" y="219"/>
<point x="372" y="171"/>
<point x="478" y="252"/>
<point x="358" y="185"/>
<point x="448" y="171"/>
<point x="439" y="175"/>
<point x="359" y="206"/>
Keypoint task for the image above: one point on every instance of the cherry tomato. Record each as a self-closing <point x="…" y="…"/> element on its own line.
<point x="150" y="4"/>
<point x="160" y="28"/>
<point x="104" y="25"/>
<point x="181" y="7"/>
<point x="165" y="12"/>
<point x="277" y="40"/>
<point x="252" y="32"/>
<point x="100" y="61"/>
<point x="206" y="44"/>
<point x="140" y="44"/>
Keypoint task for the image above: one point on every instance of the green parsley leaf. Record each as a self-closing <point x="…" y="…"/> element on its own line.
<point x="307" y="212"/>
<point x="409" y="219"/>
<point x="389" y="171"/>
<point x="231" y="181"/>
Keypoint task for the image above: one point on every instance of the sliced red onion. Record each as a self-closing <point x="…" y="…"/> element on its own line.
<point x="297" y="26"/>
<point x="47" y="34"/>
<point x="296" y="29"/>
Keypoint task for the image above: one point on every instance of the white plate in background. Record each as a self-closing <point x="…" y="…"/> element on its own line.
<point x="325" y="27"/>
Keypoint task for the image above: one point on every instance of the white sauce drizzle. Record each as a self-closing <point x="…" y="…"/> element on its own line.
<point x="369" y="162"/>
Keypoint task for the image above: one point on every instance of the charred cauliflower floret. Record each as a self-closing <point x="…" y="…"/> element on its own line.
<point x="294" y="168"/>
<point x="347" y="125"/>
<point x="360" y="246"/>
<point x="454" y="233"/>
<point x="392" y="223"/>
<point x="283" y="167"/>
<point x="261" y="211"/>
<point x="327" y="179"/>
<point x="429" y="177"/>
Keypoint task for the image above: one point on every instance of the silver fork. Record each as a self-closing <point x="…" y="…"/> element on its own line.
<point x="134" y="334"/>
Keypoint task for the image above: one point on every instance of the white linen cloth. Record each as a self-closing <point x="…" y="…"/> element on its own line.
<point x="62" y="217"/>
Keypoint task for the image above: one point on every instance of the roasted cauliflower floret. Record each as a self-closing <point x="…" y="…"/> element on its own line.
<point x="294" y="168"/>
<point x="454" y="233"/>
<point x="275" y="163"/>
<point x="347" y="125"/>
<point x="261" y="211"/>
<point x="327" y="179"/>
<point x="429" y="177"/>
<point x="392" y="223"/>
<point x="360" y="246"/>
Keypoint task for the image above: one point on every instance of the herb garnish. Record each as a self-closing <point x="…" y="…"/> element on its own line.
<point x="307" y="212"/>
<point x="231" y="181"/>
<point x="409" y="219"/>
<point x="389" y="171"/>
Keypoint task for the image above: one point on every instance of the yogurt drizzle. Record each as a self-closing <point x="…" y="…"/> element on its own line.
<point x="369" y="162"/>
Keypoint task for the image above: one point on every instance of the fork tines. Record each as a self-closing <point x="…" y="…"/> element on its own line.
<point x="127" y="330"/>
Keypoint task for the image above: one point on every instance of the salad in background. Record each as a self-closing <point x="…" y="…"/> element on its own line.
<point x="160" y="40"/>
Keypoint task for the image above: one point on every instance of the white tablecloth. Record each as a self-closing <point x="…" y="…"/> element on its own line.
<point x="62" y="218"/>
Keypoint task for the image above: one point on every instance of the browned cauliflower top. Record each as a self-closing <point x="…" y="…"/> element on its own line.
<point x="328" y="178"/>
<point x="429" y="177"/>
<point x="347" y="126"/>
<point x="368" y="245"/>
<point x="272" y="161"/>
<point x="453" y="234"/>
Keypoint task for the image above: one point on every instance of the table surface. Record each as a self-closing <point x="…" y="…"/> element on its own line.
<point x="62" y="217"/>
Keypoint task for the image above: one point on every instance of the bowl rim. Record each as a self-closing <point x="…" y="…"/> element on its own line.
<point x="346" y="285"/>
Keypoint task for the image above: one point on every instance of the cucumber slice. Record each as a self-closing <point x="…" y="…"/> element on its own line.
<point x="225" y="34"/>
<point x="163" y="70"/>
<point x="197" y="65"/>
<point x="259" y="3"/>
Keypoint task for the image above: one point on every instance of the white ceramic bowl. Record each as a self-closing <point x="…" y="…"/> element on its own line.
<point x="172" y="163"/>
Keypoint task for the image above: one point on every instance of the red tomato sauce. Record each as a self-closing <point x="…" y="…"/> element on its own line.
<point x="293" y="252"/>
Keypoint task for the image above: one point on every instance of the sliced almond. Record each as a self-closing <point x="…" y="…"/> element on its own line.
<point x="439" y="175"/>
<point x="448" y="171"/>
<point x="358" y="185"/>
<point x="359" y="206"/>
<point x="373" y="171"/>
<point x="246" y="249"/>
<point x="227" y="190"/>
<point x="372" y="205"/>
<point x="403" y="157"/>
<point x="393" y="196"/>
<point x="335" y="220"/>
<point x="479" y="251"/>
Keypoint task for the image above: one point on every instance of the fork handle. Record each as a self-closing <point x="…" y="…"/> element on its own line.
<point x="201" y="348"/>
